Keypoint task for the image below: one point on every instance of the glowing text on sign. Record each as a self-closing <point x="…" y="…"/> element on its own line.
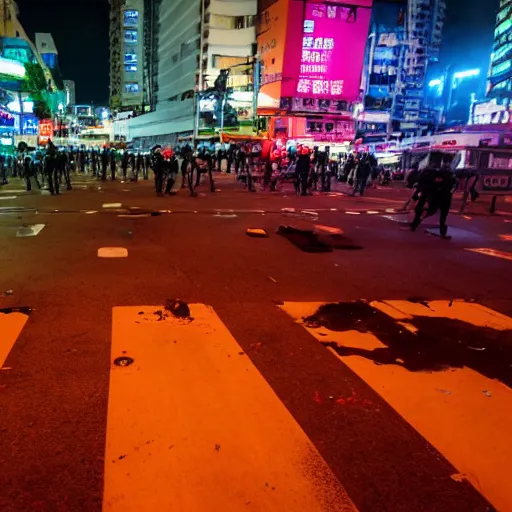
<point x="333" y="42"/>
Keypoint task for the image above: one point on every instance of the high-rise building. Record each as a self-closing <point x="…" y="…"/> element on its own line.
<point x="126" y="54"/>
<point x="69" y="87"/>
<point x="312" y="56"/>
<point x="405" y="39"/>
<point x="46" y="47"/>
<point x="186" y="45"/>
<point x="496" y="110"/>
<point x="500" y="75"/>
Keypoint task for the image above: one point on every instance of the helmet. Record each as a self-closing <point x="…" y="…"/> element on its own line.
<point x="304" y="150"/>
<point x="276" y="153"/>
<point x="284" y="153"/>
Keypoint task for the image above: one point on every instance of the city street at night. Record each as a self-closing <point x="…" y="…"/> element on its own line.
<point x="198" y="368"/>
<point x="255" y="256"/>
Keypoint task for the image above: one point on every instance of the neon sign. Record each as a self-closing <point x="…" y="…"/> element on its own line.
<point x="12" y="68"/>
<point x="333" y="43"/>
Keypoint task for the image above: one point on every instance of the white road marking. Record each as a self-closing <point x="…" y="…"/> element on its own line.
<point x="470" y="429"/>
<point x="8" y="198"/>
<point x="32" y="230"/>
<point x="192" y="425"/>
<point x="112" y="252"/>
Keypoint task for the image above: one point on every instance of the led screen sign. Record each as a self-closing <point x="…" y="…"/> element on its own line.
<point x="12" y="68"/>
<point x="333" y="44"/>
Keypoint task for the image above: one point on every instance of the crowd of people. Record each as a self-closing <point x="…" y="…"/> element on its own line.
<point x="308" y="169"/>
<point x="52" y="167"/>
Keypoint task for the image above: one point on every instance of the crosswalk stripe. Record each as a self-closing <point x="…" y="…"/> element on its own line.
<point x="11" y="325"/>
<point x="193" y="426"/>
<point x="462" y="413"/>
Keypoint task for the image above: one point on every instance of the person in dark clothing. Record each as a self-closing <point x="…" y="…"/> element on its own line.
<point x="63" y="169"/>
<point x="51" y="170"/>
<point x="147" y="166"/>
<point x="112" y="165"/>
<point x="435" y="187"/>
<point x="104" y="164"/>
<point x="172" y="171"/>
<point x="28" y="173"/>
<point x="94" y="162"/>
<point x="83" y="160"/>
<point x="124" y="165"/>
<point x="302" y="170"/>
<point x="3" y="171"/>
<point x="363" y="171"/>
<point x="184" y="169"/>
<point x="139" y="164"/>
<point x="158" y="165"/>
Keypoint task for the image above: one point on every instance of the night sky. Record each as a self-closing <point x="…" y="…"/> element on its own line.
<point x="80" y="31"/>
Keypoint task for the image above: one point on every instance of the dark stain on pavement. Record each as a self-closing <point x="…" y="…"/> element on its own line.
<point x="123" y="361"/>
<point x="178" y="308"/>
<point x="23" y="309"/>
<point x="309" y="241"/>
<point x="439" y="343"/>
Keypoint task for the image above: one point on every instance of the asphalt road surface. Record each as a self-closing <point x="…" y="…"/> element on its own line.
<point x="155" y="357"/>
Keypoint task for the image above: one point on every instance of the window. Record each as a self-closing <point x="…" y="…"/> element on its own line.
<point x="175" y="58"/>
<point x="131" y="18"/>
<point x="131" y="87"/>
<point x="130" y="58"/>
<point x="130" y="36"/>
<point x="130" y="68"/>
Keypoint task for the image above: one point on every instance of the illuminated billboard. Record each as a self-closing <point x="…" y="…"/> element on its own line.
<point x="333" y="44"/>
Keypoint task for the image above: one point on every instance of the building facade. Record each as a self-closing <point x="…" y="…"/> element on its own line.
<point x="69" y="87"/>
<point x="187" y="43"/>
<point x="405" y="39"/>
<point x="312" y="58"/>
<point x="127" y="55"/>
<point x="495" y="111"/>
<point x="500" y="74"/>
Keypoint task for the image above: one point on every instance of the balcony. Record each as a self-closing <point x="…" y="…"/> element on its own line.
<point x="222" y="37"/>
<point x="233" y="7"/>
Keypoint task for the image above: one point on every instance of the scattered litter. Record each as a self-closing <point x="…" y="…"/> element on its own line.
<point x="399" y="361"/>
<point x="458" y="477"/>
<point x="27" y="231"/>
<point x="450" y="304"/>
<point x="6" y="368"/>
<point x="257" y="232"/>
<point x="353" y="213"/>
<point x="178" y="308"/>
<point x="90" y="212"/>
<point x="487" y="393"/>
<point x="7" y="293"/>
<point x="112" y="205"/>
<point x="317" y="398"/>
<point x="372" y="212"/>
<point x="478" y="349"/>
<point x="445" y="391"/>
<point x="272" y="279"/>
<point x="217" y="447"/>
<point x="466" y="217"/>
<point x="123" y="361"/>
<point x="112" y="252"/>
<point x="329" y="229"/>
